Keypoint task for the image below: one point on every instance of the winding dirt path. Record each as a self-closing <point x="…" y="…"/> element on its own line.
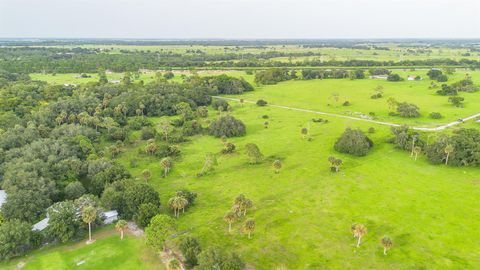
<point x="438" y="128"/>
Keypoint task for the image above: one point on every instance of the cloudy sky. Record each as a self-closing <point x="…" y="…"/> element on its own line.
<point x="240" y="18"/>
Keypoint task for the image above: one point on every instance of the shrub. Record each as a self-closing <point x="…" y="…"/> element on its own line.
<point x="346" y="103"/>
<point x="435" y="115"/>
<point x="261" y="102"/>
<point x="216" y="103"/>
<point x="371" y="130"/>
<point x="228" y="148"/>
<point x="227" y="126"/>
<point x="394" y="78"/>
<point x="442" y="78"/>
<point x="408" y="110"/>
<point x="148" y="133"/>
<point x="354" y="142"/>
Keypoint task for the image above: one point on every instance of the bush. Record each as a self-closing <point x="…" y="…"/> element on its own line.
<point x="346" y="103"/>
<point x="371" y="130"/>
<point x="353" y="142"/>
<point x="408" y="110"/>
<point x="261" y="102"/>
<point x="442" y="78"/>
<point x="435" y="115"/>
<point x="148" y="133"/>
<point x="118" y="134"/>
<point x="394" y="78"/>
<point x="227" y="126"/>
<point x="216" y="103"/>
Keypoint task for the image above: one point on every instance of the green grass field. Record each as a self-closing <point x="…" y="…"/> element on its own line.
<point x="394" y="54"/>
<point x="106" y="252"/>
<point x="304" y="213"/>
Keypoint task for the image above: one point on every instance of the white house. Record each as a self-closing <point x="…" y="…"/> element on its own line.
<point x="110" y="216"/>
<point x="3" y="197"/>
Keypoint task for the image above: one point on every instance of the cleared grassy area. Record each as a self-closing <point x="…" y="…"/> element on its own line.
<point x="319" y="95"/>
<point x="107" y="252"/>
<point x="395" y="52"/>
<point x="304" y="214"/>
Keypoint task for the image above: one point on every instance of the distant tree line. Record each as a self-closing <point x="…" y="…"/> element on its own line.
<point x="78" y="60"/>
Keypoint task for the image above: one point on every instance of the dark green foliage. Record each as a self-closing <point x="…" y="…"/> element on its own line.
<point x="408" y="110"/>
<point x="217" y="103"/>
<point x="190" y="248"/>
<point x="26" y="205"/>
<point x="261" y="102"/>
<point x="272" y="76"/>
<point x="465" y="85"/>
<point x="217" y="258"/>
<point x="447" y="90"/>
<point x="435" y="115"/>
<point x="148" y="133"/>
<point x="442" y="78"/>
<point x="433" y="74"/>
<point x="74" y="190"/>
<point x="144" y="213"/>
<point x="64" y="223"/>
<point x="354" y="142"/>
<point x="138" y="194"/>
<point x="394" y="78"/>
<point x="221" y="84"/>
<point x="404" y="138"/>
<point x="227" y="126"/>
<point x="16" y="238"/>
<point x="456" y="101"/>
<point x="466" y="148"/>
<point x="228" y="148"/>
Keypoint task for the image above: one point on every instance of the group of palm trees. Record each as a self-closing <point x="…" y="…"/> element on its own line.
<point x="178" y="203"/>
<point x="239" y="209"/>
<point x="360" y="230"/>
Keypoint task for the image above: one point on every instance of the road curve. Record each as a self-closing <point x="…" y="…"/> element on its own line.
<point x="438" y="128"/>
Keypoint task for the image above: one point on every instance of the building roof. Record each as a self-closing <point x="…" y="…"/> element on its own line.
<point x="109" y="214"/>
<point x="41" y="225"/>
<point x="3" y="197"/>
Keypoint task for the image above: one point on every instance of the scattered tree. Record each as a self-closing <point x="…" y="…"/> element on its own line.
<point x="230" y="217"/>
<point x="120" y="227"/>
<point x="358" y="231"/>
<point x="387" y="244"/>
<point x="249" y="226"/>
<point x="253" y="153"/>
<point x="277" y="165"/>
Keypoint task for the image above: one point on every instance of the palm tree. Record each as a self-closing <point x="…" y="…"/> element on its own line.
<point x="277" y="165"/>
<point x="414" y="138"/>
<point x="359" y="230"/>
<point x="120" y="227"/>
<point x="448" y="150"/>
<point x="146" y="174"/>
<point x="230" y="218"/>
<point x="249" y="226"/>
<point x="166" y="164"/>
<point x="165" y="127"/>
<point x="417" y="150"/>
<point x="210" y="162"/>
<point x="89" y="214"/>
<point x="151" y="147"/>
<point x="387" y="244"/>
<point x="177" y="203"/>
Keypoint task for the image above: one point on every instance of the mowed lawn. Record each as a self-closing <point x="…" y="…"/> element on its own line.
<point x="107" y="252"/>
<point x="303" y="215"/>
<point x="318" y="95"/>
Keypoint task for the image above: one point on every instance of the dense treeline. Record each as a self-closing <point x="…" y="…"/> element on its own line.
<point x="58" y="146"/>
<point x="462" y="148"/>
<point x="55" y="60"/>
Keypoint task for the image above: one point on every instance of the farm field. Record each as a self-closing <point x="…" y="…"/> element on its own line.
<point x="304" y="214"/>
<point x="108" y="250"/>
<point x="102" y="136"/>
<point x="394" y="53"/>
